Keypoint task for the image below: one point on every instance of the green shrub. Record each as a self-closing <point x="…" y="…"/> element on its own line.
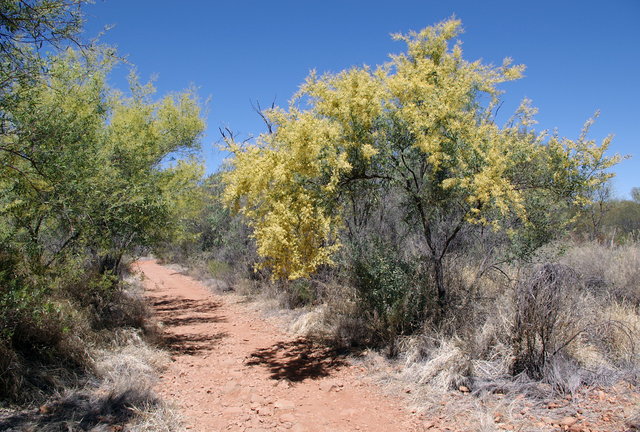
<point x="218" y="269"/>
<point x="389" y="290"/>
<point x="299" y="293"/>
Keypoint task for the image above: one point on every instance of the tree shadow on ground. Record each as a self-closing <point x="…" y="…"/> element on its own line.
<point x="80" y="411"/>
<point x="175" y="312"/>
<point x="167" y="305"/>
<point x="192" y="343"/>
<point x="172" y="311"/>
<point x="298" y="360"/>
<point x="177" y="321"/>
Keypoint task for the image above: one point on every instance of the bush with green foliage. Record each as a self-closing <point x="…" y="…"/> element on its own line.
<point x="85" y="179"/>
<point x="389" y="290"/>
<point x="214" y="239"/>
<point x="609" y="219"/>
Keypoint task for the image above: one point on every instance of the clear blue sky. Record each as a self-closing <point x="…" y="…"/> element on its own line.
<point x="581" y="56"/>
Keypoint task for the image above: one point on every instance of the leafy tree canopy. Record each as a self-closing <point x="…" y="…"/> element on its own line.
<point x="84" y="167"/>
<point x="423" y="124"/>
<point x="26" y="26"/>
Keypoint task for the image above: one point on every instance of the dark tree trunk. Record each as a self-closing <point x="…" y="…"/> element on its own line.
<point x="110" y="264"/>
<point x="440" y="285"/>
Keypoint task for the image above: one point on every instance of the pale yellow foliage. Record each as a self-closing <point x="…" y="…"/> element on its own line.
<point x="272" y="184"/>
<point x="288" y="183"/>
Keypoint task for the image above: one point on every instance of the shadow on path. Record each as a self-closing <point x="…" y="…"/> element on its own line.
<point x="298" y="360"/>
<point x="192" y="343"/>
<point x="166" y="305"/>
<point x="79" y="411"/>
<point x="176" y="312"/>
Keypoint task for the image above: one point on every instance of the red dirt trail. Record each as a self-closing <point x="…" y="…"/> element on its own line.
<point x="233" y="370"/>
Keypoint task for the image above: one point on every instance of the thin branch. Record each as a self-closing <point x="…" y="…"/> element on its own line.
<point x="258" y="109"/>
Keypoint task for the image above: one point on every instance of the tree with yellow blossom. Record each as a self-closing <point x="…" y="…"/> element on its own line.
<point x="423" y="125"/>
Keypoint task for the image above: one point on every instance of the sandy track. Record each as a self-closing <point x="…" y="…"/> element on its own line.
<point x="233" y="370"/>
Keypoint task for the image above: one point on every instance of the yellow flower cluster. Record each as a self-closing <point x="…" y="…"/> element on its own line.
<point x="288" y="184"/>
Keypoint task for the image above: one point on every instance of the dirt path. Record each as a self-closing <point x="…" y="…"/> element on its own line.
<point x="233" y="370"/>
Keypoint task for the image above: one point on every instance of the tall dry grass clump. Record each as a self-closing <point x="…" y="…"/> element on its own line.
<point x="608" y="270"/>
<point x="545" y="323"/>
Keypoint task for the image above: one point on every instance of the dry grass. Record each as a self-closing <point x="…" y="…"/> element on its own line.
<point x="446" y="367"/>
<point x="586" y="311"/>
<point x="594" y="342"/>
<point x="593" y="338"/>
<point x="120" y="393"/>
<point x="157" y="417"/>
<point x="118" y="390"/>
<point x="609" y="271"/>
<point x="338" y="320"/>
<point x="132" y="368"/>
<point x="128" y="360"/>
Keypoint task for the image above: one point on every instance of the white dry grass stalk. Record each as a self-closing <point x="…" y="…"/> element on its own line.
<point x="447" y="367"/>
<point x="131" y="366"/>
<point x="607" y="270"/>
<point x="159" y="417"/>
<point x="622" y="333"/>
<point x="609" y="345"/>
<point x="136" y="361"/>
<point x="311" y="322"/>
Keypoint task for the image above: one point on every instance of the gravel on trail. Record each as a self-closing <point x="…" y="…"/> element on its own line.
<point x="234" y="370"/>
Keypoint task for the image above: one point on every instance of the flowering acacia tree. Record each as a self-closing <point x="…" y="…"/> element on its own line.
<point x="422" y="124"/>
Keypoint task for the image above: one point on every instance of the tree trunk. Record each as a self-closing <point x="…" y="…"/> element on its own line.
<point x="440" y="285"/>
<point x="110" y="263"/>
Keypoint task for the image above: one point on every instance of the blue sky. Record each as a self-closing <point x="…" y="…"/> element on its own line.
<point x="581" y="56"/>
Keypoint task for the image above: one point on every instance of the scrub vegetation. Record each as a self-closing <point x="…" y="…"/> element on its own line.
<point x="386" y="204"/>
<point x="85" y="184"/>
<point x="392" y="210"/>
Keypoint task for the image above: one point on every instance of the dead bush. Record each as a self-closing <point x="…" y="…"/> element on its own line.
<point x="542" y="318"/>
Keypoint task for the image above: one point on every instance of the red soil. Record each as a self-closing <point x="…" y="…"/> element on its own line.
<point x="232" y="370"/>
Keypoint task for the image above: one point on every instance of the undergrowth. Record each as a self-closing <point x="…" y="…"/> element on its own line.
<point x="95" y="372"/>
<point x="567" y="319"/>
